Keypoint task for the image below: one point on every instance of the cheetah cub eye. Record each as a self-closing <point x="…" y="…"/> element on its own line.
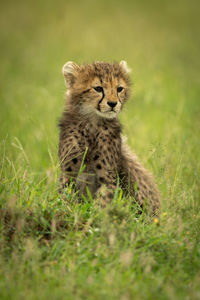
<point x="98" y="89"/>
<point x="120" y="89"/>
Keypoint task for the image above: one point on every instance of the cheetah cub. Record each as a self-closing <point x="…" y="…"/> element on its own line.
<point x="90" y="130"/>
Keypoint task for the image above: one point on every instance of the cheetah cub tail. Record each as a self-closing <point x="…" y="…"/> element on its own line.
<point x="141" y="182"/>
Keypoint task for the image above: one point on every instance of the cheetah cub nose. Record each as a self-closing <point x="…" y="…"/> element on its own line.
<point x="112" y="103"/>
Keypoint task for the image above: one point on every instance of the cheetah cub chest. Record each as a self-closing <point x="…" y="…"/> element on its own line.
<point x="90" y="131"/>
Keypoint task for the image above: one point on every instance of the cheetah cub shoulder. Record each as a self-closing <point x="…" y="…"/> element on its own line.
<point x="90" y="129"/>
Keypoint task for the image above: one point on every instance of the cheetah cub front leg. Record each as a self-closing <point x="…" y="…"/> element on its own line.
<point x="106" y="165"/>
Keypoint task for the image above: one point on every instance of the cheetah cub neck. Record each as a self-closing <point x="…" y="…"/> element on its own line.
<point x="96" y="90"/>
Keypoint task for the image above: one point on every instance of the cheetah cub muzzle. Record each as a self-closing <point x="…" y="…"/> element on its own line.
<point x="90" y="130"/>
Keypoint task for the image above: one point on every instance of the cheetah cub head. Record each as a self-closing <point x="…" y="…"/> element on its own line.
<point x="97" y="89"/>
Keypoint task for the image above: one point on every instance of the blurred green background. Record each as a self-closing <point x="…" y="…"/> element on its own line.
<point x="160" y="40"/>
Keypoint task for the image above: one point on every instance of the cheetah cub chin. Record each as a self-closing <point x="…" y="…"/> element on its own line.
<point x="90" y="130"/>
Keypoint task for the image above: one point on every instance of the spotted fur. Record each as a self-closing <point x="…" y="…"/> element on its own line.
<point x="90" y="128"/>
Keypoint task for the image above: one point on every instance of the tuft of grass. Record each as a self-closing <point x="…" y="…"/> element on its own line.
<point x="51" y="245"/>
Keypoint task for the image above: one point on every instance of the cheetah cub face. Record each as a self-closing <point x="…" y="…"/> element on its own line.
<point x="97" y="89"/>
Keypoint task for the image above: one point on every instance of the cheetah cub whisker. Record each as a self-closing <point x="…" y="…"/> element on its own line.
<point x="96" y="93"/>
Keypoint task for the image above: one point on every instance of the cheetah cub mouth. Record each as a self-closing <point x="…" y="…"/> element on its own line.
<point x="99" y="89"/>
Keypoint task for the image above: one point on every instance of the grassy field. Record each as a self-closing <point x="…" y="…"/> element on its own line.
<point x="52" y="248"/>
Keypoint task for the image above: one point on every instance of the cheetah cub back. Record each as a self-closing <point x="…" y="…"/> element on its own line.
<point x="90" y="129"/>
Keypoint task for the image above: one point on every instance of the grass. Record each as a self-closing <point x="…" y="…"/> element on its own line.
<point x="56" y="248"/>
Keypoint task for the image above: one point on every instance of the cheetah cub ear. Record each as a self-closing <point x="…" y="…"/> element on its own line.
<point x="70" y="71"/>
<point x="124" y="66"/>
